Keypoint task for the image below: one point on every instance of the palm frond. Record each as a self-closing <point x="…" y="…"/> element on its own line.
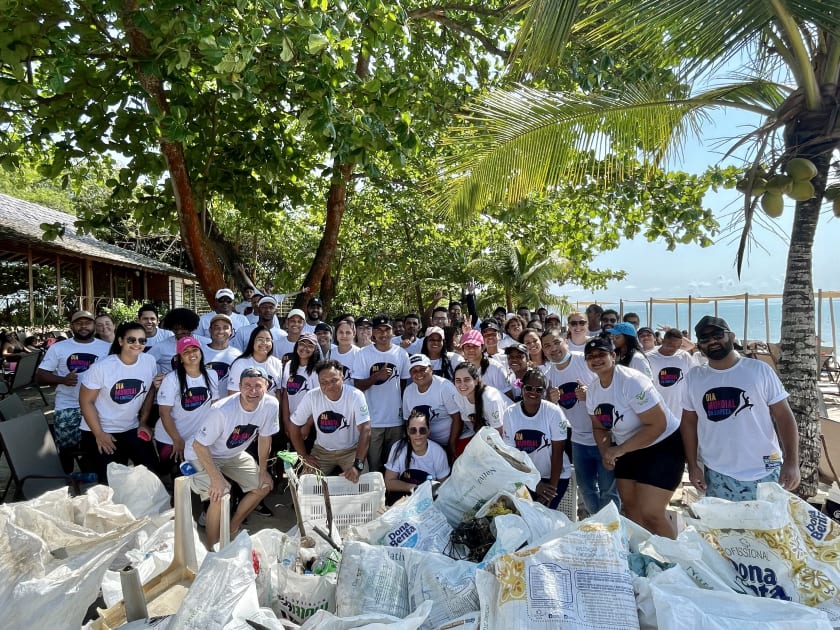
<point x="544" y="33"/>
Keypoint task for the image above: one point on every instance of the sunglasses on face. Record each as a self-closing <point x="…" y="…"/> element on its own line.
<point x="533" y="389"/>
<point x="581" y="322"/>
<point x="417" y="430"/>
<point x="715" y="336"/>
<point x="610" y="320"/>
<point x="225" y="300"/>
<point x="140" y="340"/>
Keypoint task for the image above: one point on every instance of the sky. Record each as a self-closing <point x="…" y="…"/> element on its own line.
<point x="654" y="272"/>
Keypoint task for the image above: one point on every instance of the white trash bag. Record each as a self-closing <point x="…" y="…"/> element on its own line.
<point x="372" y="580"/>
<point x="139" y="489"/>
<point x="323" y="620"/>
<point x="449" y="583"/>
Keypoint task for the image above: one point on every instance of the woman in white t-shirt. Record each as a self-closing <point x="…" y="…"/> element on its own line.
<point x="414" y="459"/>
<point x="345" y="352"/>
<point x="578" y="326"/>
<point x="299" y="377"/>
<point x="443" y="363"/>
<point x="111" y="396"/>
<point x="492" y="372"/>
<point x="184" y="400"/>
<point x="258" y="353"/>
<point x="479" y="405"/>
<point x="637" y="436"/>
<point x="628" y="350"/>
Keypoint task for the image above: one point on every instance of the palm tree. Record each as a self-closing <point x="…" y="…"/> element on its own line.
<point x="525" y="139"/>
<point x="519" y="274"/>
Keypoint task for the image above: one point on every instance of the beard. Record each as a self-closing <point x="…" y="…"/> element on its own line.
<point x="720" y="352"/>
<point x="83" y="335"/>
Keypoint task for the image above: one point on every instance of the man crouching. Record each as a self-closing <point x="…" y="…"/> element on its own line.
<point x="218" y="450"/>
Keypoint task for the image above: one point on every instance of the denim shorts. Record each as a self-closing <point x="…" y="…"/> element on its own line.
<point x="726" y="487"/>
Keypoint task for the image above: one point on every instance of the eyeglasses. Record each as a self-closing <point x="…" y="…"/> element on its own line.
<point x="579" y="322"/>
<point x="715" y="336"/>
<point x="609" y="320"/>
<point x="225" y="300"/>
<point x="140" y="340"/>
<point x="533" y="389"/>
<point x="417" y="430"/>
<point x="260" y="340"/>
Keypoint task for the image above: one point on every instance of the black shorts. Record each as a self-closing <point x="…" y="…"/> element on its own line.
<point x="660" y="465"/>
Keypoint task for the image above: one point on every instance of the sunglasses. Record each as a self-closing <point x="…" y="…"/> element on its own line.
<point x="533" y="389"/>
<point x="610" y="320"/>
<point x="717" y="336"/>
<point x="580" y="322"/>
<point x="417" y="430"/>
<point x="140" y="340"/>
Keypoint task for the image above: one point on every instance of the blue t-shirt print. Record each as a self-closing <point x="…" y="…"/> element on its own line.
<point x="296" y="384"/>
<point x="221" y="369"/>
<point x="382" y="366"/>
<point x="194" y="397"/>
<point x="331" y="421"/>
<point x="80" y="361"/>
<point x="530" y="440"/>
<point x="721" y="403"/>
<point x="669" y="376"/>
<point x="126" y="390"/>
<point x="241" y="434"/>
<point x="607" y="415"/>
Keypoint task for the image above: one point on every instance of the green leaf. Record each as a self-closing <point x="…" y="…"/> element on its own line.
<point x="316" y="43"/>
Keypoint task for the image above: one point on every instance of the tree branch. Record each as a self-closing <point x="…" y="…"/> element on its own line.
<point x="440" y="17"/>
<point x="469" y="8"/>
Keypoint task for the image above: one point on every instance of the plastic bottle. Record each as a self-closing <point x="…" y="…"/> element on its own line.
<point x="84" y="477"/>
<point x="187" y="469"/>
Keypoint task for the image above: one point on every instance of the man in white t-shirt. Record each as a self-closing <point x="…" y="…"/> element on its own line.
<point x="266" y="316"/>
<point x="380" y="370"/>
<point x="434" y="396"/>
<point x="342" y="424"/>
<point x="314" y="311"/>
<point x="729" y="411"/>
<point x="225" y="306"/>
<point x="219" y="354"/>
<point x="147" y="315"/>
<point x="218" y="450"/>
<point x="61" y="366"/>
<point x="669" y="364"/>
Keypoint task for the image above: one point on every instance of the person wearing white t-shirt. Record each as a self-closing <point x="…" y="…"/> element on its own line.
<point x="669" y="364"/>
<point x="637" y="435"/>
<point x="345" y="352"/>
<point x="434" y="396"/>
<point x="295" y="325"/>
<point x="258" y="353"/>
<point x="443" y="362"/>
<point x="479" y="405"/>
<point x="218" y="451"/>
<point x="184" y="399"/>
<point x="538" y="427"/>
<point x="737" y="418"/>
<point x="299" y="376"/>
<point x="492" y="372"/>
<point x="62" y="365"/>
<point x="225" y="306"/>
<point x="111" y="395"/>
<point x="266" y="317"/>
<point x="380" y="371"/>
<point x="627" y="349"/>
<point x="219" y="354"/>
<point x="148" y="316"/>
<point x="567" y="378"/>
<point x="342" y="425"/>
<point x="409" y="340"/>
<point x="181" y="322"/>
<point x="578" y="326"/>
<point x="414" y="459"/>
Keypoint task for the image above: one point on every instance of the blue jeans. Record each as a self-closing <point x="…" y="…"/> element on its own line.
<point x="597" y="484"/>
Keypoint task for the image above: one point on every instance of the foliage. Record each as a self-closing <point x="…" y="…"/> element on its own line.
<point x="121" y="311"/>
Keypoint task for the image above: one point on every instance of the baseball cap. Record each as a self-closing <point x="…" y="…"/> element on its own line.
<point x="434" y="330"/>
<point x="254" y="371"/>
<point x="363" y="321"/>
<point x="315" y="302"/>
<point x="709" y="321"/>
<point x="221" y="316"/>
<point x="82" y="314"/>
<point x="598" y="343"/>
<point x="419" y="359"/>
<point x="296" y="312"/>
<point x="490" y="325"/>
<point x="224" y="293"/>
<point x="645" y="329"/>
<point x="267" y="299"/>
<point x="472" y="338"/>
<point x="310" y="337"/>
<point x="322" y="326"/>
<point x="519" y="347"/>
<point x="257" y="292"/>
<point x="381" y="320"/>
<point x="552" y="316"/>
<point x="623" y="328"/>
<point x="186" y="342"/>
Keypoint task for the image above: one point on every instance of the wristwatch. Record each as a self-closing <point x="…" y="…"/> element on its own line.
<point x="359" y="464"/>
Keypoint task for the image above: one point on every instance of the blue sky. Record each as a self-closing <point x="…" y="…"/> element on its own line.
<point x="652" y="271"/>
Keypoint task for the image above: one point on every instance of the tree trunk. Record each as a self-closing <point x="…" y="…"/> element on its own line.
<point x="205" y="264"/>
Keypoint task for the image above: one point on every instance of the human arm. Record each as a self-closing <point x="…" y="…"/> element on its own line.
<point x="470" y="300"/>
<point x="654" y="422"/>
<point x="45" y="377"/>
<point x="427" y="314"/>
<point x="362" y="446"/>
<point x="688" y="431"/>
<point x="105" y="442"/>
<point x="148" y="403"/>
<point x="218" y="484"/>
<point x="790" y="476"/>
<point x="264" y="454"/>
<point x="455" y="435"/>
<point x="380" y="376"/>
<point x="393" y="483"/>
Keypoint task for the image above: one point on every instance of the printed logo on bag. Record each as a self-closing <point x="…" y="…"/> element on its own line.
<point x="80" y="361"/>
<point x="382" y="366"/>
<point x="670" y="376"/>
<point x="241" y="434"/>
<point x="126" y="390"/>
<point x="331" y="421"/>
<point x="567" y="398"/>
<point x="607" y="415"/>
<point x="194" y="398"/>
<point x="221" y="369"/>
<point x="296" y="384"/>
<point x="530" y="440"/>
<point x="721" y="403"/>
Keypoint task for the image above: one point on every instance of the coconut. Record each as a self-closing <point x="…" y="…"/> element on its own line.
<point x="832" y="192"/>
<point x="801" y="169"/>
<point x="779" y="184"/>
<point x="836" y="207"/>
<point x="759" y="186"/>
<point x="772" y="204"/>
<point x="802" y="191"/>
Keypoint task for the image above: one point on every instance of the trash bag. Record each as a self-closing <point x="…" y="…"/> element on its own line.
<point x="298" y="596"/>
<point x="138" y="488"/>
<point x="449" y="583"/>
<point x="323" y="620"/>
<point x="372" y="580"/>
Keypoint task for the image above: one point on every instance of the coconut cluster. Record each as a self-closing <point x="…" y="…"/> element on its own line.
<point x="795" y="183"/>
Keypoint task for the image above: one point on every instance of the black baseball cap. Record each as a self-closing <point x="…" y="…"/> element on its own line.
<point x="316" y="301"/>
<point x="598" y="343"/>
<point x="519" y="347"/>
<point x="381" y="320"/>
<point x="645" y="329"/>
<point x="322" y="326"/>
<point x="490" y="325"/>
<point x="709" y="321"/>
<point x="363" y="321"/>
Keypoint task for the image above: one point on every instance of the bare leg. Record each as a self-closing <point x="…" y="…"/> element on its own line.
<point x="245" y="507"/>
<point x="652" y="503"/>
<point x="213" y="525"/>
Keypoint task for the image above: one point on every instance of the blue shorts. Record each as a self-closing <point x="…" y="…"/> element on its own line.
<point x="66" y="427"/>
<point x="726" y="487"/>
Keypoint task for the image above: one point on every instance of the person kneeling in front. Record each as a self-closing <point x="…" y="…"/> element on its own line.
<point x="218" y="450"/>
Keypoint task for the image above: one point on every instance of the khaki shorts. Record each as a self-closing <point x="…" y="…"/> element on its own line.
<point x="240" y="468"/>
<point x="329" y="460"/>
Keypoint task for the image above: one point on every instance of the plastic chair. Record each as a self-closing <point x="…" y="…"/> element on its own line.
<point x="11" y="407"/>
<point x="25" y="374"/>
<point x="32" y="456"/>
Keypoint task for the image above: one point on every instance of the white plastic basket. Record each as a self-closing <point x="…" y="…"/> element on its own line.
<point x="352" y="503"/>
<point x="568" y="504"/>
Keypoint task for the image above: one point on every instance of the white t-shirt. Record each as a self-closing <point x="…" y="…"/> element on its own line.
<point x="454" y="360"/>
<point x="566" y="380"/>
<point x="189" y="408"/>
<point x="122" y="390"/>
<point x="284" y="347"/>
<point x="617" y="407"/>
<point x="239" y="322"/>
<point x="384" y="399"/>
<point x="438" y="402"/>
<point x="431" y="463"/>
<point x="297" y="385"/>
<point x="735" y="430"/>
<point x="346" y="361"/>
<point x="228" y="429"/>
<point x="220" y="361"/>
<point x="496" y="376"/>
<point x="159" y="336"/>
<point x="494" y="410"/>
<point x="272" y="365"/>
<point x="640" y="363"/>
<point x="67" y="355"/>
<point x="164" y="352"/>
<point x="669" y="376"/>
<point x="413" y="348"/>
<point x="534" y="435"/>
<point x="243" y="335"/>
<point x="575" y="347"/>
<point x="336" y="421"/>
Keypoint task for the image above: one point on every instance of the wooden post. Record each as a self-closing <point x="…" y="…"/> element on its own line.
<point x="819" y="333"/>
<point x="677" y="315"/>
<point x="58" y="300"/>
<point x="746" y="317"/>
<point x="690" y="319"/>
<point x="831" y="315"/>
<point x="766" y="321"/>
<point x="31" y="289"/>
<point x="89" y="297"/>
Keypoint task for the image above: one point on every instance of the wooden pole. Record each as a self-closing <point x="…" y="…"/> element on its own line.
<point x="819" y="333"/>
<point x="677" y="315"/>
<point x="833" y="333"/>
<point x="690" y="319"/>
<point x="31" y="290"/>
<point x="58" y="300"/>
<point x="766" y="321"/>
<point x="746" y="317"/>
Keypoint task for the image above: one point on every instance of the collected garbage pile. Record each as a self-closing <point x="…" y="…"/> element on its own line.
<point x="478" y="555"/>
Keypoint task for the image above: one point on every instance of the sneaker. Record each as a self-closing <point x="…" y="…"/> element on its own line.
<point x="202" y="520"/>
<point x="263" y="509"/>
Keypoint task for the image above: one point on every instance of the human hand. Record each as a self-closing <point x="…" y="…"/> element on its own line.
<point x="351" y="474"/>
<point x="580" y="391"/>
<point x="553" y="394"/>
<point x="545" y="492"/>
<point x="106" y="443"/>
<point x="71" y="378"/>
<point x="790" y="476"/>
<point x="218" y="487"/>
<point x="266" y="480"/>
<point x="695" y="476"/>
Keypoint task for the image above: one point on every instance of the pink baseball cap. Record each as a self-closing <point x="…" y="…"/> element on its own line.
<point x="186" y="342"/>
<point x="472" y="338"/>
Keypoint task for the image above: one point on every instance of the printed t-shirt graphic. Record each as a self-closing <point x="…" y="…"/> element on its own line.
<point x="669" y="376"/>
<point x="80" y="361"/>
<point x="241" y="434"/>
<point x="331" y="421"/>
<point x="376" y="367"/>
<point x="605" y="413"/>
<point x="126" y="390"/>
<point x="194" y="397"/>
<point x="721" y="403"/>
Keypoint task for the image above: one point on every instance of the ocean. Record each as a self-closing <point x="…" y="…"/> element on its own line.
<point x="757" y="327"/>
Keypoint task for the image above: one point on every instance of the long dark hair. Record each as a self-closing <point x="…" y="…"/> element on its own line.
<point x="248" y="353"/>
<point x="182" y="375"/>
<point x="120" y="332"/>
<point x="479" y="392"/>
<point x="294" y="361"/>
<point x="631" y="347"/>
<point x="445" y="364"/>
<point x="404" y="442"/>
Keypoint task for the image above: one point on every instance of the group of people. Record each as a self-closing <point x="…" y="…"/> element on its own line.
<point x="225" y="390"/>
